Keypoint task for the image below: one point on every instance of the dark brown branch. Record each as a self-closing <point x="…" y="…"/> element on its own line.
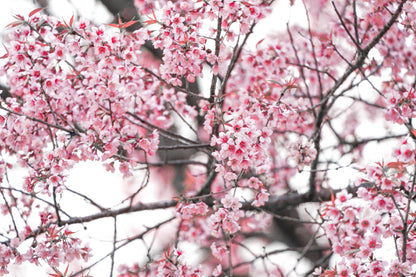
<point x="5" y="92"/>
<point x="189" y="93"/>
<point x="345" y="26"/>
<point x="216" y="53"/>
<point x="236" y="55"/>
<point x="38" y="120"/>
<point x="278" y="251"/>
<point x="302" y="71"/>
<point x="10" y="212"/>
<point x="354" y="8"/>
<point x="56" y="205"/>
<point x="114" y="247"/>
<point x="362" y="55"/>
<point x="162" y="131"/>
<point x="92" y="202"/>
<point x="184" y="146"/>
<point x="315" y="59"/>
<point x="274" y="205"/>
<point x="314" y="69"/>
<point x="175" y="162"/>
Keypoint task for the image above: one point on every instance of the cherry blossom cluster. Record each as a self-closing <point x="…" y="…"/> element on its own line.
<point x="356" y="232"/>
<point x="105" y="98"/>
<point x="381" y="216"/>
<point x="303" y="152"/>
<point x="259" y="113"/>
<point x="401" y="106"/>
<point x="187" y="211"/>
<point x="256" y="185"/>
<point x="242" y="146"/>
<point x="81" y="92"/>
<point x="236" y="16"/>
<point x="173" y="265"/>
<point x="44" y="76"/>
<point x="93" y="100"/>
<point x="184" y="42"/>
<point x="397" y="52"/>
<point x="225" y="219"/>
<point x="183" y="47"/>
<point x="57" y="246"/>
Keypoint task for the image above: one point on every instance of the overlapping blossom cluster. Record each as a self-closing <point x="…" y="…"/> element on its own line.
<point x="80" y="92"/>
<point x="381" y="218"/>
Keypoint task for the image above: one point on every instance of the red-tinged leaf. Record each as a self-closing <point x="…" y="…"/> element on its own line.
<point x="18" y="16"/>
<point x="291" y="83"/>
<point x="119" y="21"/>
<point x="290" y="86"/>
<point x="260" y="41"/>
<point x="275" y="82"/>
<point x="57" y="273"/>
<point x="35" y="11"/>
<point x="128" y="24"/>
<point x="381" y="164"/>
<point x="42" y="44"/>
<point x="5" y="55"/>
<point x="113" y="25"/>
<point x="14" y="24"/>
<point x="413" y="131"/>
<point x="71" y="21"/>
<point x="160" y="261"/>
<point x="333" y="199"/>
<point x="329" y="273"/>
<point x="150" y="21"/>
<point x="68" y="233"/>
<point x="66" y="270"/>
<point x="167" y="253"/>
<point x="270" y="98"/>
<point x="395" y="165"/>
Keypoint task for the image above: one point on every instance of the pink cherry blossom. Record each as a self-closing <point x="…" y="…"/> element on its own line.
<point x="225" y="129"/>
